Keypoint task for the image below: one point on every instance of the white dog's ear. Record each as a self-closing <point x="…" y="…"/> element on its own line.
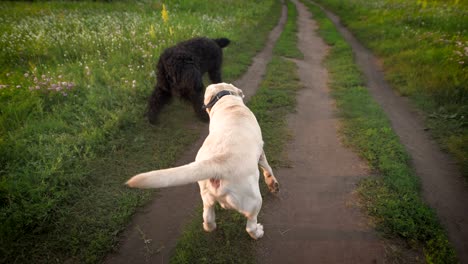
<point x="240" y="93"/>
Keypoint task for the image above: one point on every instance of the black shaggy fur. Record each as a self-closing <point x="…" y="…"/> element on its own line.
<point x="180" y="71"/>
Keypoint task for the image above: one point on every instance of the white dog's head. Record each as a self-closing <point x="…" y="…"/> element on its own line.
<point x="213" y="90"/>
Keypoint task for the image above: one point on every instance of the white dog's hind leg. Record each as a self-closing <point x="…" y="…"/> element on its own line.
<point x="270" y="179"/>
<point x="209" y="223"/>
<point x="254" y="229"/>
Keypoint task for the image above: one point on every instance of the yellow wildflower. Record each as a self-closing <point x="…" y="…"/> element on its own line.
<point x="164" y="14"/>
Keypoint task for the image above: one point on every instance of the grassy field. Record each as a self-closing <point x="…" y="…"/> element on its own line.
<point x="393" y="199"/>
<point x="74" y="78"/>
<point x="271" y="104"/>
<point x="423" y="45"/>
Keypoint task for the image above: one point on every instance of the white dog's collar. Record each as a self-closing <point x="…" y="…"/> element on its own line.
<point x="216" y="98"/>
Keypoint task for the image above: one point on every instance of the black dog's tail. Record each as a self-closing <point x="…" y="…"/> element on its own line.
<point x="222" y="42"/>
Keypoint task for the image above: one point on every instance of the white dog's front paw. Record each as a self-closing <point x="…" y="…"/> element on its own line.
<point x="209" y="227"/>
<point x="257" y="233"/>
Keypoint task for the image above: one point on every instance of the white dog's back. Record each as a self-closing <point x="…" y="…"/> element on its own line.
<point x="223" y="151"/>
<point x="226" y="166"/>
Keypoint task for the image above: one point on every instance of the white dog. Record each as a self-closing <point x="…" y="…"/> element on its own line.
<point x="226" y="166"/>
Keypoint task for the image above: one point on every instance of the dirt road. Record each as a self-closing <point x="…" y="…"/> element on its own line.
<point x="313" y="219"/>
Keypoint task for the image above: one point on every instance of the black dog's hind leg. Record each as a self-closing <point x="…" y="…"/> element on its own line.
<point x="156" y="102"/>
<point x="192" y="89"/>
<point x="197" y="103"/>
<point x="196" y="97"/>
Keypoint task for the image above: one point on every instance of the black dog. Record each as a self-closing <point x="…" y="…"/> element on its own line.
<point x="180" y="71"/>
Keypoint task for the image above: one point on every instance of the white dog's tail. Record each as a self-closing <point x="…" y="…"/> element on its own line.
<point x="192" y="172"/>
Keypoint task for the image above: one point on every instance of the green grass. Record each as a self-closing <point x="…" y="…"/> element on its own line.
<point x="271" y="104"/>
<point x="424" y="48"/>
<point x="63" y="158"/>
<point x="286" y="45"/>
<point x="393" y="198"/>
